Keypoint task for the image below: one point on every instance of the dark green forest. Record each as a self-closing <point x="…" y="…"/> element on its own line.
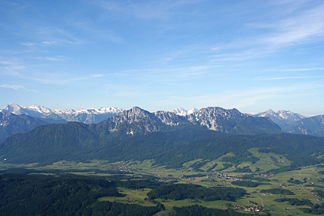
<point x="62" y="195"/>
<point x="190" y="191"/>
<point x="197" y="210"/>
<point x="173" y="147"/>
<point x="294" y="201"/>
<point x="66" y="194"/>
<point x="278" y="191"/>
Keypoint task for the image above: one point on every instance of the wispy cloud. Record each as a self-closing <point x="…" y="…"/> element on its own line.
<point x="241" y="99"/>
<point x="168" y="75"/>
<point x="301" y="69"/>
<point x="52" y="36"/>
<point x="305" y="27"/>
<point x="47" y="43"/>
<point x="56" y="35"/>
<point x="52" y="79"/>
<point x="11" y="86"/>
<point x="145" y="9"/>
<point x="302" y="27"/>
<point x="92" y="31"/>
<point x="50" y="58"/>
<point x="239" y="54"/>
<point x="11" y="66"/>
<point x="19" y="71"/>
<point x="288" y="77"/>
<point x="287" y="31"/>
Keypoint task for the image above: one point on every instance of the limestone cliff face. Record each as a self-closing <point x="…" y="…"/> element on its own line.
<point x="217" y="118"/>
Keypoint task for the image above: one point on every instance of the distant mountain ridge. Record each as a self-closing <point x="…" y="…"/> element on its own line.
<point x="165" y="137"/>
<point x="20" y="119"/>
<point x="309" y="126"/>
<point x="139" y="121"/>
<point x="11" y="124"/>
<point x="88" y="116"/>
<point x="217" y="118"/>
<point x="131" y="122"/>
<point x="291" y="122"/>
<point x="285" y="119"/>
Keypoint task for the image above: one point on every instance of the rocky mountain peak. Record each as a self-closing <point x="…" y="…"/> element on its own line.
<point x="136" y="111"/>
<point x="134" y="114"/>
<point x="217" y="118"/>
<point x="133" y="121"/>
<point x="285" y="119"/>
<point x="284" y="114"/>
<point x="170" y="118"/>
<point x="219" y="111"/>
<point x="12" y="108"/>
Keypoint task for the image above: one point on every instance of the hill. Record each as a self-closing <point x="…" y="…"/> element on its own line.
<point x="172" y="146"/>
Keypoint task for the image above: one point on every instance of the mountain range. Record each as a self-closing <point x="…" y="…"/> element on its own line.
<point x="285" y="119"/>
<point x="165" y="137"/>
<point x="88" y="116"/>
<point x="230" y="121"/>
<point x="291" y="122"/>
<point x="136" y="120"/>
<point x="11" y="124"/>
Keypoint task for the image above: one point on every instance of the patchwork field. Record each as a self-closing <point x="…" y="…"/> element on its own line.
<point x="269" y="190"/>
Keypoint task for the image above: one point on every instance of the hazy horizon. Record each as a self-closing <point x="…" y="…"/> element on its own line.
<point x="162" y="55"/>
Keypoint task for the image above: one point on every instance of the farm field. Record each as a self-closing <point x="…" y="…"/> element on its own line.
<point x="302" y="184"/>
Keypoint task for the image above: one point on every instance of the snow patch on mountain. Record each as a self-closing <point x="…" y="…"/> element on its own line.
<point x="285" y="119"/>
<point x="91" y="115"/>
<point x="183" y="112"/>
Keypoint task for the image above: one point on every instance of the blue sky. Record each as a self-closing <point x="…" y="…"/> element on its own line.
<point x="163" y="54"/>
